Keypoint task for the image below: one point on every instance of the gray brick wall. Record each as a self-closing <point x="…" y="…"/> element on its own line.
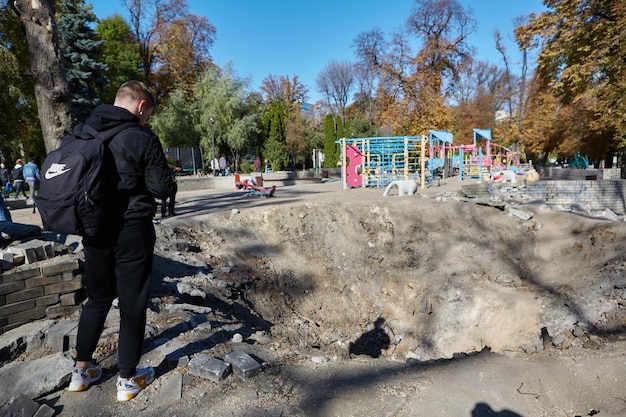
<point x="34" y="292"/>
<point x="595" y="195"/>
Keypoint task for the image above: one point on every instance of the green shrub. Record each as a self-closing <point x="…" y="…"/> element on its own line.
<point x="246" y="167"/>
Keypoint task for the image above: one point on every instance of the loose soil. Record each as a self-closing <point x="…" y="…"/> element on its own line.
<point x="363" y="305"/>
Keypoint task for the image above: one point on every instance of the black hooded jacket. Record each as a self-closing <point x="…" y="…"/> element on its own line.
<point x="140" y="168"/>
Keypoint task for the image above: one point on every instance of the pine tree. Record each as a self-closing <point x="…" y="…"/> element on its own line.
<point x="275" y="150"/>
<point x="79" y="45"/>
<point x="330" y="158"/>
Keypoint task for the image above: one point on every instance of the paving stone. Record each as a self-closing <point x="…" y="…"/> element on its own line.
<point x="33" y="250"/>
<point x="21" y="406"/>
<point x="175" y="360"/>
<point x="22" y="295"/>
<point x="208" y="367"/>
<point x="21" y="275"/>
<point x="62" y="336"/>
<point x="170" y="390"/>
<point x="44" y="411"/>
<point x="60" y="268"/>
<point x="27" y="316"/>
<point x="6" y="260"/>
<point x="244" y="366"/>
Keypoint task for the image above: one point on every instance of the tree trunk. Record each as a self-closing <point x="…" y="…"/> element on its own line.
<point x="47" y="69"/>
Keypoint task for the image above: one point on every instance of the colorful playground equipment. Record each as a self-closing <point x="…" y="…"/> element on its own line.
<point x="473" y="162"/>
<point x="578" y="161"/>
<point x="376" y="162"/>
<point x="251" y="188"/>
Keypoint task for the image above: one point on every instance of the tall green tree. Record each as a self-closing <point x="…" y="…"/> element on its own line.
<point x="274" y="126"/>
<point x="581" y="60"/>
<point x="283" y="124"/>
<point x="174" y="122"/>
<point x="222" y="94"/>
<point x="120" y="53"/>
<point x="331" y="150"/>
<point x="79" y="45"/>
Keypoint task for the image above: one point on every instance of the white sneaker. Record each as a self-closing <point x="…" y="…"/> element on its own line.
<point x="128" y="388"/>
<point x="83" y="378"/>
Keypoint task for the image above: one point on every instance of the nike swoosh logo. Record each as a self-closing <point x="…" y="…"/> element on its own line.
<point x="55" y="171"/>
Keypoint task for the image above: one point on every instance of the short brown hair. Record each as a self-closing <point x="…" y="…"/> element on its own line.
<point x="136" y="90"/>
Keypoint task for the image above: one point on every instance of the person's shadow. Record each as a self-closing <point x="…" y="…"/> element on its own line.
<point x="483" y="410"/>
<point x="372" y="342"/>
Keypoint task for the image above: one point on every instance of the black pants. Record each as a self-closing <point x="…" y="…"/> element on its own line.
<point x="167" y="205"/>
<point x="18" y="185"/>
<point x="118" y="264"/>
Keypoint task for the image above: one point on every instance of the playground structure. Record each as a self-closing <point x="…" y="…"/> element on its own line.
<point x="376" y="162"/>
<point x="578" y="161"/>
<point x="251" y="188"/>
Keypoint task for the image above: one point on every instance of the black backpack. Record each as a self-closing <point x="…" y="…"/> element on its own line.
<point x="75" y="190"/>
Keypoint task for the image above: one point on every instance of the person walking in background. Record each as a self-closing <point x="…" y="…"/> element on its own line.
<point x="257" y="164"/>
<point x="215" y="167"/>
<point x="118" y="260"/>
<point x="18" y="178"/>
<point x="31" y="176"/>
<point x="169" y="203"/>
<point x="222" y="165"/>
<point x="5" y="181"/>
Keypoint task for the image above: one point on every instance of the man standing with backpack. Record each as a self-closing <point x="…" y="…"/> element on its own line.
<point x="118" y="258"/>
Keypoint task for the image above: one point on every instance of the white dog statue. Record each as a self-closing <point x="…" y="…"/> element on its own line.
<point x="404" y="187"/>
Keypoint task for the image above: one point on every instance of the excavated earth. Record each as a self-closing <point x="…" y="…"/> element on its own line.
<point x="363" y="305"/>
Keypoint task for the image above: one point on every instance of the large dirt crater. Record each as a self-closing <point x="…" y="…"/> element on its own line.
<point x="413" y="278"/>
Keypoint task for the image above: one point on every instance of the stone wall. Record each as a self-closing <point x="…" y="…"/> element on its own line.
<point x="557" y="173"/>
<point x="208" y="182"/>
<point x="595" y="195"/>
<point x="38" y="290"/>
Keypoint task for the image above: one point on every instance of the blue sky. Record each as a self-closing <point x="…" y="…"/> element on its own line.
<point x="292" y="37"/>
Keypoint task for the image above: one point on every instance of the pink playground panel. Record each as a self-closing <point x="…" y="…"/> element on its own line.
<point x="354" y="158"/>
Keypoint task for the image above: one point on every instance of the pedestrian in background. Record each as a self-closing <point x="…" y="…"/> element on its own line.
<point x="215" y="167"/>
<point x="5" y="180"/>
<point x="31" y="176"/>
<point x="18" y="178"/>
<point x="168" y="204"/>
<point x="223" y="165"/>
<point x="257" y="164"/>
